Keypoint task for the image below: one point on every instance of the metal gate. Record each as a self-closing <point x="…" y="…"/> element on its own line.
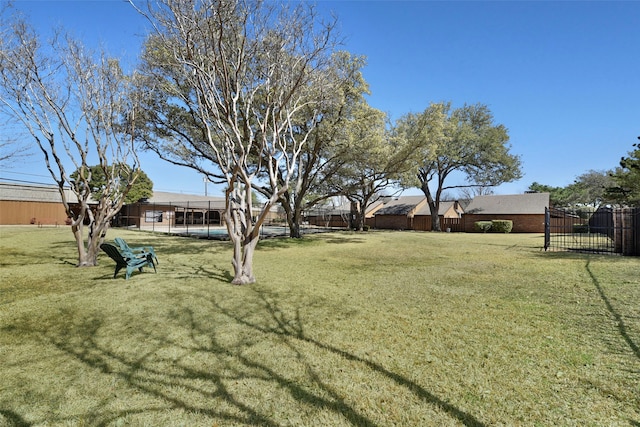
<point x="604" y="230"/>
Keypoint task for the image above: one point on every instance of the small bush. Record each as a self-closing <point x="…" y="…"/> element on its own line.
<point x="482" y="226"/>
<point x="501" y="226"/>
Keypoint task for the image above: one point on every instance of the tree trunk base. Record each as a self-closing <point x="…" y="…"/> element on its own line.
<point x="239" y="281"/>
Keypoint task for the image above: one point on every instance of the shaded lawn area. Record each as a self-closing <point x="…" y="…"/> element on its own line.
<point x="371" y="329"/>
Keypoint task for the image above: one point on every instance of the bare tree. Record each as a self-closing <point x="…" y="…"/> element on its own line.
<point x="468" y="193"/>
<point x="247" y="74"/>
<point x="12" y="147"/>
<point x="13" y="144"/>
<point x="11" y="150"/>
<point x="72" y="104"/>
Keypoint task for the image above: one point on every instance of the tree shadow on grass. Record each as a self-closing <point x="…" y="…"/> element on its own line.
<point x="576" y="255"/>
<point x="309" y="240"/>
<point x="13" y="419"/>
<point x="152" y="376"/>
<point x="294" y="328"/>
<point x="191" y="364"/>
<point x="620" y="325"/>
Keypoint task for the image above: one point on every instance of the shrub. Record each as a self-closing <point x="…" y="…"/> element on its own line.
<point x="501" y="226"/>
<point x="483" y="226"/>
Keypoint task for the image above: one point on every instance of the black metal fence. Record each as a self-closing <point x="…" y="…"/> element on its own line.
<point x="604" y="230"/>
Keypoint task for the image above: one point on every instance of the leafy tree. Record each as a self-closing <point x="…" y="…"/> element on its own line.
<point x="71" y="102"/>
<point x="327" y="148"/>
<point x="374" y="161"/>
<point x="558" y="196"/>
<point x="587" y="189"/>
<point x="463" y="140"/>
<point x="242" y="77"/>
<point x="626" y="180"/>
<point x="138" y="183"/>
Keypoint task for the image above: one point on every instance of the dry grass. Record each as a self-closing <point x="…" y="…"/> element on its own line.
<point x="375" y="329"/>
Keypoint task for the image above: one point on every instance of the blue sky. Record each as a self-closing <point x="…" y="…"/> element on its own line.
<point x="563" y="77"/>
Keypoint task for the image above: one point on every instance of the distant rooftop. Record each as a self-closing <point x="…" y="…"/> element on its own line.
<point x="401" y="206"/>
<point x="181" y="199"/>
<point x="26" y="192"/>
<point x="529" y="203"/>
<point x="443" y="208"/>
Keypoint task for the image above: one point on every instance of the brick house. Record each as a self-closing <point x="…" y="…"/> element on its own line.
<point x="525" y="210"/>
<point x="173" y="210"/>
<point x="398" y="214"/>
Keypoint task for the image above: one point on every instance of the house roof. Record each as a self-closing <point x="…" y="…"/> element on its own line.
<point x="185" y="200"/>
<point x="529" y="203"/>
<point x="442" y="209"/>
<point x="401" y="206"/>
<point x="374" y="208"/>
<point x="23" y="192"/>
<point x="49" y="193"/>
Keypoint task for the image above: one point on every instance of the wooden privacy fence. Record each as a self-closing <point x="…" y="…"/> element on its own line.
<point x="41" y="213"/>
<point x="626" y="235"/>
<point x="423" y="223"/>
<point x="605" y="230"/>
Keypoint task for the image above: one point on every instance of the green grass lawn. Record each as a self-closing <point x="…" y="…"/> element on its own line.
<point x="371" y="329"/>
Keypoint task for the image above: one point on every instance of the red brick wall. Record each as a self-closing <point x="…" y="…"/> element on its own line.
<point x="531" y="223"/>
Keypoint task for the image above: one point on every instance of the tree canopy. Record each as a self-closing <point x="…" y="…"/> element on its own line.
<point x="327" y="148"/>
<point x="625" y="189"/>
<point x="373" y="160"/>
<point x="121" y="175"/>
<point x="464" y="140"/>
<point x="558" y="196"/>
<point x="588" y="189"/>
<point x="243" y="77"/>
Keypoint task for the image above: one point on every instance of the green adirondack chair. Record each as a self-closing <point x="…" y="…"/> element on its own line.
<point x="136" y="251"/>
<point x="127" y="261"/>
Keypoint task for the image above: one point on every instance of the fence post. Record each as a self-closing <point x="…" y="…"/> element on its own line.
<point x="618" y="231"/>
<point x="628" y="241"/>
<point x="635" y="222"/>
<point x="547" y="228"/>
<point x="208" y="216"/>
